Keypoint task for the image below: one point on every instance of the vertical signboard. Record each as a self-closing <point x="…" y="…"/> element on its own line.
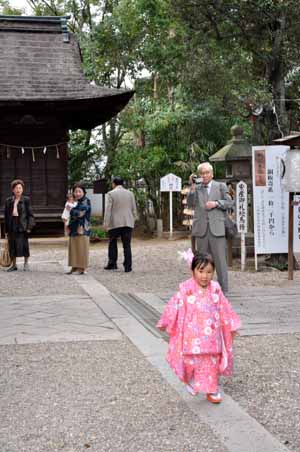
<point x="242" y="207"/>
<point x="242" y="217"/>
<point x="270" y="201"/>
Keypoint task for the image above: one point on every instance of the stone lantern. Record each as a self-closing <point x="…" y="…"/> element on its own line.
<point x="237" y="155"/>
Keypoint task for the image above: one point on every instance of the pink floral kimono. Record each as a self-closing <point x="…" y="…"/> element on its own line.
<point x="200" y="326"/>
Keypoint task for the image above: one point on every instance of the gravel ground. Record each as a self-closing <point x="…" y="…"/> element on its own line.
<point x="103" y="397"/>
<point x="44" y="278"/>
<point x="267" y="384"/>
<point x="157" y="268"/>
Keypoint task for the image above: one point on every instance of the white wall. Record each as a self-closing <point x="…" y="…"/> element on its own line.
<point x="96" y="201"/>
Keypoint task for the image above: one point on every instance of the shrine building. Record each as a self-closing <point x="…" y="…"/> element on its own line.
<point x="43" y="95"/>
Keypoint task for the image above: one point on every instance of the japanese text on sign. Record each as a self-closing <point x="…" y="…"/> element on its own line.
<point x="270" y="201"/>
<point x="242" y="207"/>
<point x="170" y="182"/>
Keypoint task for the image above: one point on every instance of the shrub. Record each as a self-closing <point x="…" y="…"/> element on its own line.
<point x="96" y="221"/>
<point x="98" y="233"/>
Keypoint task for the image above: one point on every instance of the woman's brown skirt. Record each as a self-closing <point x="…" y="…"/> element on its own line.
<point x="79" y="251"/>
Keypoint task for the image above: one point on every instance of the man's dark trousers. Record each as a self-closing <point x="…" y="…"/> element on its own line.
<point x="125" y="233"/>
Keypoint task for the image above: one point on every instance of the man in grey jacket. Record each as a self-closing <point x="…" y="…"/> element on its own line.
<point x="210" y="201"/>
<point x="119" y="218"/>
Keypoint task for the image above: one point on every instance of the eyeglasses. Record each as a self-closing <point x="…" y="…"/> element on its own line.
<point x="203" y="173"/>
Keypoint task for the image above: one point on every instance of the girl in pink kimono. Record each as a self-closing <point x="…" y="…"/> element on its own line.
<point x="201" y="325"/>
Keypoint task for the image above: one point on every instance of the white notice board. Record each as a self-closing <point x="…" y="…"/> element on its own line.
<point x="270" y="202"/>
<point x="170" y="182"/>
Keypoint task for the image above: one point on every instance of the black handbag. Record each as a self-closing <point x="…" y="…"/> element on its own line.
<point x="230" y="227"/>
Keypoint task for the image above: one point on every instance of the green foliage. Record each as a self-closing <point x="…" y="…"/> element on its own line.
<point x="48" y="8"/>
<point x="7" y="10"/>
<point x="174" y="141"/>
<point x="253" y="48"/>
<point x="281" y="267"/>
<point x="96" y="221"/>
<point x="98" y="233"/>
<point x="83" y="163"/>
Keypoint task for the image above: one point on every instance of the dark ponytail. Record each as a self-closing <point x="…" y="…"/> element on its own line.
<point x="201" y="261"/>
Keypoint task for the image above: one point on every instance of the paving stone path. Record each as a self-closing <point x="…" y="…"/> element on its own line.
<point x="65" y="318"/>
<point x="271" y="311"/>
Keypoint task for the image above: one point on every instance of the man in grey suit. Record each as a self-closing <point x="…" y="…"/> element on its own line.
<point x="210" y="201"/>
<point x="120" y="214"/>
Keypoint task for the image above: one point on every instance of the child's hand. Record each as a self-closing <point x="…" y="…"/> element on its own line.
<point x="234" y="334"/>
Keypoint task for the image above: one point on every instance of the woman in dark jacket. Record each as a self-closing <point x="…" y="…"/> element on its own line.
<point x="79" y="231"/>
<point x="19" y="221"/>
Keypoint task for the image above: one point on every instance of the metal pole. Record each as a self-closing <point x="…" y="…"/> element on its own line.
<point x="171" y="213"/>
<point x="256" y="261"/>
<point x="291" y="239"/>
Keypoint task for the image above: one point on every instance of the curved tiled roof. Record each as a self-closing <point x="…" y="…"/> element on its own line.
<point x="40" y="61"/>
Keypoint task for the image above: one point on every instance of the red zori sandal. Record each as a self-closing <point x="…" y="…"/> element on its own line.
<point x="214" y="398"/>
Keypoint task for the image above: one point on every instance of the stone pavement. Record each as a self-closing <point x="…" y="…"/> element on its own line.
<point x="271" y="311"/>
<point x="95" y="390"/>
<point x="67" y="318"/>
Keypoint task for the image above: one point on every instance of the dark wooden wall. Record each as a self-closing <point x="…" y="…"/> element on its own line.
<point x="46" y="178"/>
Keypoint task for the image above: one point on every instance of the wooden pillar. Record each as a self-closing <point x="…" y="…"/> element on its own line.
<point x="229" y="252"/>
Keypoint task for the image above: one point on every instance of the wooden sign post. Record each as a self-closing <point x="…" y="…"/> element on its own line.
<point x="242" y="218"/>
<point x="170" y="183"/>
<point x="294" y="232"/>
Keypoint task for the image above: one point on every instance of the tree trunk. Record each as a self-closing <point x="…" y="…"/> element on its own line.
<point x="273" y="122"/>
<point x="110" y="136"/>
<point x="171" y="97"/>
<point x="275" y="72"/>
<point x="278" y="91"/>
<point x="155" y="87"/>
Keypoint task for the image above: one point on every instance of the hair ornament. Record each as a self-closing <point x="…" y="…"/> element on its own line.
<point x="188" y="256"/>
